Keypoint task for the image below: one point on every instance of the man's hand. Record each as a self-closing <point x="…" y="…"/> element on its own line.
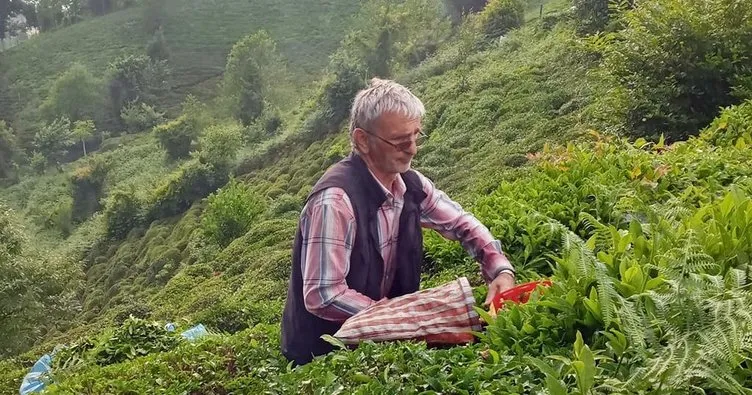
<point x="502" y="282"/>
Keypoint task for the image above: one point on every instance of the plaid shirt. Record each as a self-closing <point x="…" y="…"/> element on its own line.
<point x="328" y="229"/>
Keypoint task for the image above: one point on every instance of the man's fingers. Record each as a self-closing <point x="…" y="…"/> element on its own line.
<point x="493" y="289"/>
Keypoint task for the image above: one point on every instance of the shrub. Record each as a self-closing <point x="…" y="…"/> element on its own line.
<point x="134" y="309"/>
<point x="501" y="16"/>
<point x="86" y="188"/>
<point x="457" y="8"/>
<point x="679" y="61"/>
<point x="234" y="316"/>
<point x="220" y="144"/>
<point x="155" y="14"/>
<point x="191" y="182"/>
<point x="733" y="125"/>
<point x="175" y="137"/>
<point x="230" y="212"/>
<point x="285" y="204"/>
<point x="122" y="213"/>
<point x="163" y="267"/>
<point x="139" y="117"/>
<point x="271" y="121"/>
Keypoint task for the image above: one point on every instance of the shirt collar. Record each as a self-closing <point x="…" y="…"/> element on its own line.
<point x="399" y="187"/>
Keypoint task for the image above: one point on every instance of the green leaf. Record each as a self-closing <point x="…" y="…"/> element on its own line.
<point x="661" y="143"/>
<point x="542" y="366"/>
<point x="585" y="369"/>
<point x="484" y="315"/>
<point x="360" y="378"/>
<point x="334" y="341"/>
<point x="578" y="344"/>
<point x="555" y="386"/>
<point x="494" y="355"/>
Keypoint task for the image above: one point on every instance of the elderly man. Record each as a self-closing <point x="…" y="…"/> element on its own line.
<point x="359" y="238"/>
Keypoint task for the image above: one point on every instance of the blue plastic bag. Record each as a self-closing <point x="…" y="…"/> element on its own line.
<point x="35" y="380"/>
<point x="195" y="332"/>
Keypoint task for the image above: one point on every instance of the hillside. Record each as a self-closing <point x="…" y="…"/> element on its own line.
<point x="572" y="146"/>
<point x="199" y="37"/>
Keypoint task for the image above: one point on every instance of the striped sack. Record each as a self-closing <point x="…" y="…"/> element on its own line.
<point x="441" y="315"/>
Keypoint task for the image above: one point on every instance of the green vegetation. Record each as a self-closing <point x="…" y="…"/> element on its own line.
<point x="501" y="16"/>
<point x="607" y="148"/>
<point x="198" y="36"/>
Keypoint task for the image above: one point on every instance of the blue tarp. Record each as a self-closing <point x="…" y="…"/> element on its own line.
<point x="36" y="379"/>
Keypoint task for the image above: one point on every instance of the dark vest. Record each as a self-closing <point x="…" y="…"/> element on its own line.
<point x="301" y="330"/>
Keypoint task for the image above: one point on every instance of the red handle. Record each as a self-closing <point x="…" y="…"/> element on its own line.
<point x="518" y="294"/>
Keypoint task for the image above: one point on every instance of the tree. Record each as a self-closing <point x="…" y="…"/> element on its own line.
<point x="157" y="47"/>
<point x="136" y="78"/>
<point x="75" y="95"/>
<point x="140" y="117"/>
<point x="100" y="7"/>
<point x="457" y="8"/>
<point x="50" y="14"/>
<point x="83" y="130"/>
<point x="591" y="15"/>
<point x="12" y="8"/>
<point x="33" y="289"/>
<point x="53" y="139"/>
<point x="253" y="68"/>
<point x="14" y="285"/>
<point x="9" y="151"/>
<point x="4" y="16"/>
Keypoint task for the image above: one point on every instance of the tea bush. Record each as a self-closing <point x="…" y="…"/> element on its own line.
<point x="230" y="212"/>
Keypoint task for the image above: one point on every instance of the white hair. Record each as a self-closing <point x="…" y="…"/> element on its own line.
<point x="382" y="96"/>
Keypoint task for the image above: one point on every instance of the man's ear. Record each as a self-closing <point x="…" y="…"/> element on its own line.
<point x="361" y="140"/>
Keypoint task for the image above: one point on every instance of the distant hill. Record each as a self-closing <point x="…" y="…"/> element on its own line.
<point x="199" y="36"/>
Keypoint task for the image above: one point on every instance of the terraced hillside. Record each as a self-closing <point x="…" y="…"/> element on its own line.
<point x="199" y="35"/>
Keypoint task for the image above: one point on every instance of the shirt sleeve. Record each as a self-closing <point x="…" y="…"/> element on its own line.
<point x="440" y="213"/>
<point x="328" y="233"/>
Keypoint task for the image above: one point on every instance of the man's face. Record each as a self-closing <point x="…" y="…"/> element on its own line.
<point x="397" y="130"/>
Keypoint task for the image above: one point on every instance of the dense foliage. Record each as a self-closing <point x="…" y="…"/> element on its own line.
<point x="647" y="239"/>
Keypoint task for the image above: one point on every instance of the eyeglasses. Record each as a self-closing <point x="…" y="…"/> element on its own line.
<point x="403" y="146"/>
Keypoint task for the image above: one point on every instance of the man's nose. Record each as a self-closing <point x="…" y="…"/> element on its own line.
<point x="413" y="149"/>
